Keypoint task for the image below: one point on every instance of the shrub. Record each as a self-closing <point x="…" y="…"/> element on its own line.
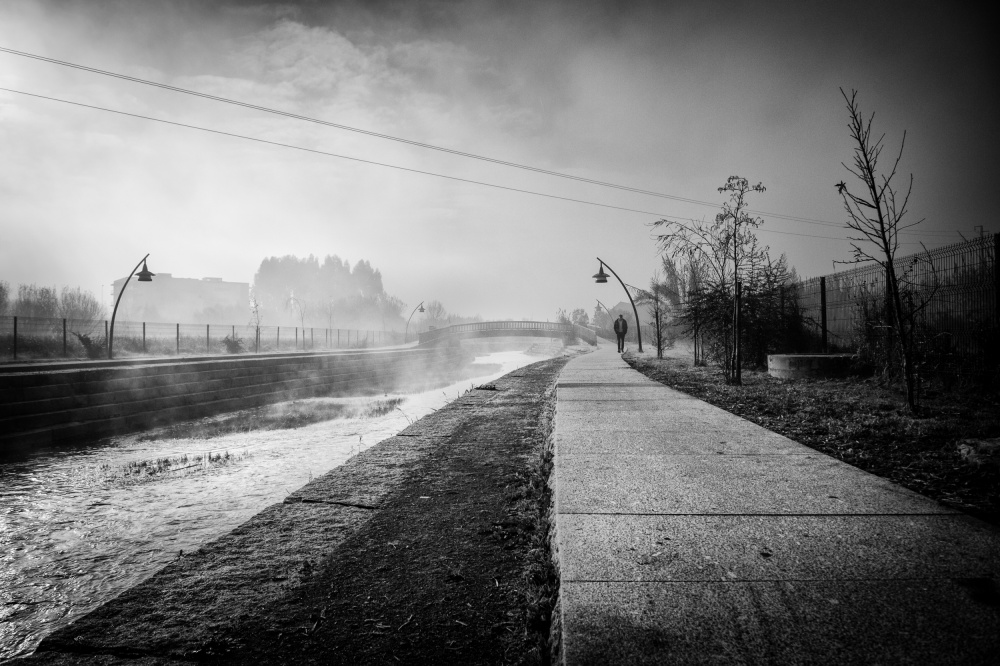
<point x="234" y="344"/>
<point x="94" y="348"/>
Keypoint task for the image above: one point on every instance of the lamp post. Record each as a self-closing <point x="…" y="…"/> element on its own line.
<point x="601" y="277"/>
<point x="144" y="276"/>
<point x="419" y="308"/>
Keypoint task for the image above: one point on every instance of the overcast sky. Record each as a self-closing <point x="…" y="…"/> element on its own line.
<point x="667" y="97"/>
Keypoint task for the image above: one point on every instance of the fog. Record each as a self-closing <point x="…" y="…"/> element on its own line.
<point x="671" y="98"/>
<point x="83" y="523"/>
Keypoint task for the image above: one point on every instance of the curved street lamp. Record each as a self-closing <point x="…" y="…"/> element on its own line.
<point x="610" y="316"/>
<point x="143" y="276"/>
<point x="601" y="278"/>
<point x="606" y="309"/>
<point x="419" y="308"/>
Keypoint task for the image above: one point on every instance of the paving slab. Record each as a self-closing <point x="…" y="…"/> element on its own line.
<point x="756" y="548"/>
<point x="603" y="376"/>
<point x="694" y="440"/>
<point x="606" y="392"/>
<point x="799" y="484"/>
<point x="779" y="622"/>
<point x="687" y="535"/>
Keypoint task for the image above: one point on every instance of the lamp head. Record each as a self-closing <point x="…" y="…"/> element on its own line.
<point x="600" y="277"/>
<point x="144" y="274"/>
<point x="421" y="309"/>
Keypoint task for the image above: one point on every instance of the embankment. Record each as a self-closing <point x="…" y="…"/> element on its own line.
<point x="429" y="547"/>
<point x="69" y="403"/>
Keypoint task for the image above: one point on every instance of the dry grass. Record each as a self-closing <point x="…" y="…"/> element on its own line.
<point x="144" y="471"/>
<point x="949" y="452"/>
<point x="295" y="414"/>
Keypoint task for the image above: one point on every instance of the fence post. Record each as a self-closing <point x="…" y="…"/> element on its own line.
<point x="297" y="338"/>
<point x="822" y="313"/>
<point x="208" y="343"/>
<point x="143" y="337"/>
<point x="737" y="334"/>
<point x="781" y="317"/>
<point x="178" y="338"/>
<point x="15" y="337"/>
<point x="996" y="279"/>
<point x="277" y="340"/>
<point x="107" y="340"/>
<point x="312" y="339"/>
<point x="64" y="337"/>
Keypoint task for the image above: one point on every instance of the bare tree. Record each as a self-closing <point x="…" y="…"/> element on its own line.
<point x="256" y="316"/>
<point x="300" y="305"/>
<point x="4" y="298"/>
<point x="658" y="299"/>
<point x="436" y="311"/>
<point x="877" y="216"/>
<point x="725" y="251"/>
<point x="79" y="304"/>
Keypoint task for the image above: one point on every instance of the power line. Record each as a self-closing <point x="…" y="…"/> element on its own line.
<point x="318" y="121"/>
<point x="383" y="164"/>
<point x="287" y="114"/>
<point x="329" y="154"/>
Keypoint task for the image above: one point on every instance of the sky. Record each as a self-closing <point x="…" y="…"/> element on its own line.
<point x="672" y="98"/>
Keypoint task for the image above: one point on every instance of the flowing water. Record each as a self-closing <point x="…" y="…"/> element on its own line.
<point x="79" y="526"/>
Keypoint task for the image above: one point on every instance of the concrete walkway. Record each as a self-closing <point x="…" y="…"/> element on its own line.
<point x="688" y="535"/>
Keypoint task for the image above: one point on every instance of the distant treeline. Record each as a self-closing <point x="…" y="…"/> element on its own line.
<point x="287" y="291"/>
<point x="34" y="301"/>
<point x="332" y="294"/>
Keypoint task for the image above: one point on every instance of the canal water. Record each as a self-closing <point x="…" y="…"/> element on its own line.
<point x="80" y="526"/>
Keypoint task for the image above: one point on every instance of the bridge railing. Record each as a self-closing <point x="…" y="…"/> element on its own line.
<point x="581" y="332"/>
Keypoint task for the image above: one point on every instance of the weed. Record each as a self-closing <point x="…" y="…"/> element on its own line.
<point x="144" y="471"/>
<point x="94" y="348"/>
<point x="234" y="344"/>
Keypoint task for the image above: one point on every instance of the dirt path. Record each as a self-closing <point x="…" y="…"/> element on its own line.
<point x="430" y="547"/>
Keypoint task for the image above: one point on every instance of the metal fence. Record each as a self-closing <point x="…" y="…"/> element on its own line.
<point x="960" y="283"/>
<point x="26" y="338"/>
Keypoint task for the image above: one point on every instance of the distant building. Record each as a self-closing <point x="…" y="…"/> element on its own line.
<point x="168" y="299"/>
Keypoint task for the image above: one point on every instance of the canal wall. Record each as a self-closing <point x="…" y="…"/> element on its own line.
<point x="66" y="404"/>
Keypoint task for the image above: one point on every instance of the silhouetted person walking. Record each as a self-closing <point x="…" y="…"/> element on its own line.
<point x="621" y="328"/>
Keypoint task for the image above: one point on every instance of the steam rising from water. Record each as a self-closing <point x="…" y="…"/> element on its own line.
<point x="77" y="527"/>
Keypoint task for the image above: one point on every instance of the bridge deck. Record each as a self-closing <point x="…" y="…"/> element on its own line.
<point x="488" y="329"/>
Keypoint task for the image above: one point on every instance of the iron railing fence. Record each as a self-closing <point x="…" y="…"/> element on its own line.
<point x="960" y="284"/>
<point x="27" y="338"/>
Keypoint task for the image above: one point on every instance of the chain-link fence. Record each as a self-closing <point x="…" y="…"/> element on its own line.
<point x="30" y="338"/>
<point x="955" y="289"/>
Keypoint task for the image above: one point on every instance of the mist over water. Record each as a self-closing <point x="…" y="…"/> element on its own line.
<point x="78" y="527"/>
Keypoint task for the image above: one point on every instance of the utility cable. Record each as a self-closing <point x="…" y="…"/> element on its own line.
<point x="384" y="164"/>
<point x="419" y="144"/>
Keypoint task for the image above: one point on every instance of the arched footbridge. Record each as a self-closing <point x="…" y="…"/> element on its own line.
<point x="499" y="329"/>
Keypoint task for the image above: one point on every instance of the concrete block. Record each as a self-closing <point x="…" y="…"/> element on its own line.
<point x="812" y="366"/>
